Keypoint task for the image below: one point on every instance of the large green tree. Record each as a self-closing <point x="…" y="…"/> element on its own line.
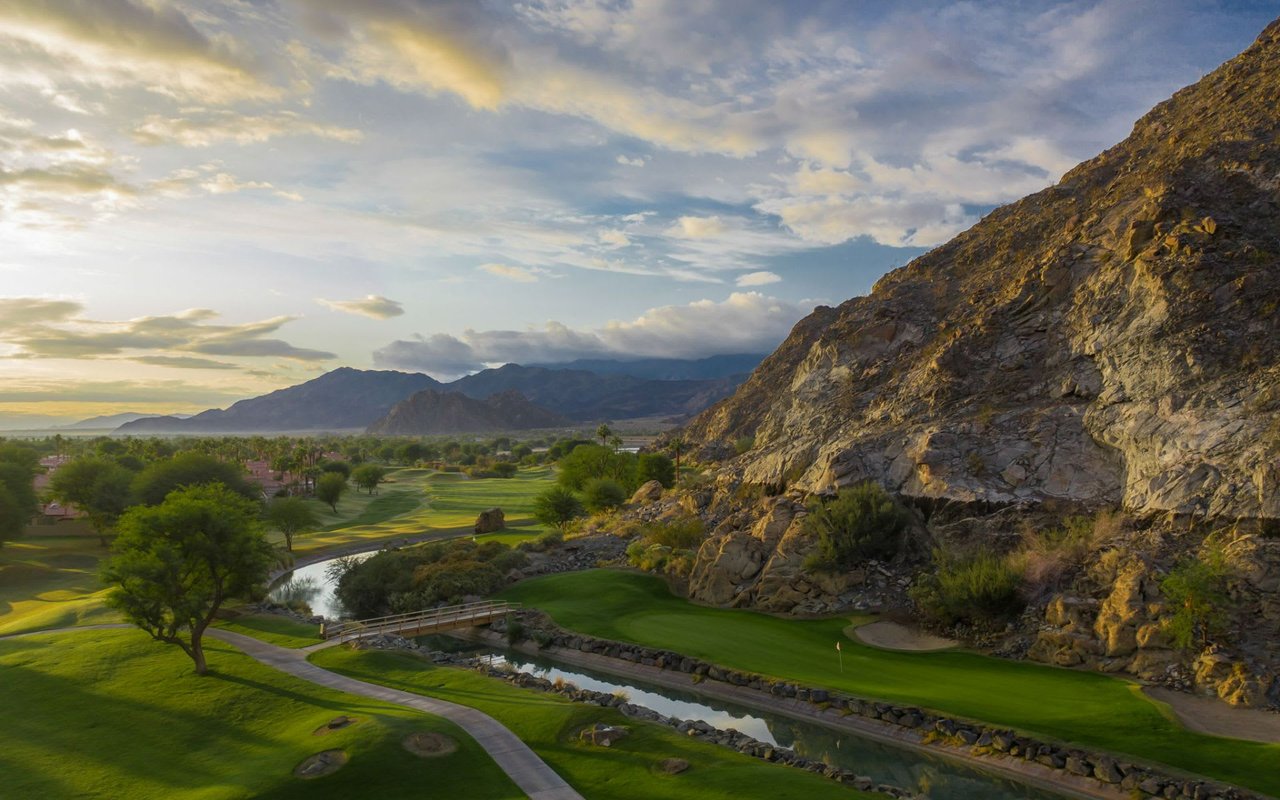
<point x="99" y="487"/>
<point x="290" y="516"/>
<point x="175" y="563"/>
<point x="368" y="476"/>
<point x="329" y="489"/>
<point x="1196" y="589"/>
<point x="155" y="482"/>
<point x="18" y="502"/>
<point x="590" y="461"/>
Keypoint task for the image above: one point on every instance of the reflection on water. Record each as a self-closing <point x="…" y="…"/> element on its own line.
<point x="314" y="586"/>
<point x="938" y="778"/>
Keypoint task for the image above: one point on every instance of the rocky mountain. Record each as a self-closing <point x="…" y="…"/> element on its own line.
<point x="108" y="421"/>
<point x="437" y="412"/>
<point x="587" y="396"/>
<point x="343" y="399"/>
<point x="668" y="369"/>
<point x="1114" y="339"/>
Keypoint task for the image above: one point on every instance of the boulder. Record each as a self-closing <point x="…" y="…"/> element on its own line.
<point x="491" y="520"/>
<point x="602" y="735"/>
<point x="647" y="493"/>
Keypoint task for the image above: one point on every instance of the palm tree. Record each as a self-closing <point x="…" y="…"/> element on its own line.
<point x="603" y="433"/>
<point x="677" y="447"/>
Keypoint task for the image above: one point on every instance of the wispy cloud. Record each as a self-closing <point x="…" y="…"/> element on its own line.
<point x="374" y="306"/>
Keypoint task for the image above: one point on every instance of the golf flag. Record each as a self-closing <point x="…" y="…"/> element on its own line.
<point x="837" y="645"/>
<point x="840" y="655"/>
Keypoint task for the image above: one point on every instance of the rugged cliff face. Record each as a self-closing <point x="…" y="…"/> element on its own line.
<point x="1114" y="339"/>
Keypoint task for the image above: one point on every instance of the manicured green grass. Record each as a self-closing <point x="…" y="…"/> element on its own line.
<point x="419" y="501"/>
<point x="550" y="725"/>
<point x="1075" y="706"/>
<point x="49" y="579"/>
<point x="109" y="714"/>
<point x="274" y="629"/>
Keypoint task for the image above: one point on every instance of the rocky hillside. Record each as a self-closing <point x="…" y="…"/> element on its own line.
<point x="1114" y="339"/>
<point x="434" y="412"/>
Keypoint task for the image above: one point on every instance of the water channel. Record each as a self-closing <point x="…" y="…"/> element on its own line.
<point x="940" y="779"/>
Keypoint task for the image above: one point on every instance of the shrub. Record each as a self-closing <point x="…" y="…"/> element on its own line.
<point x="557" y="506"/>
<point x="861" y="522"/>
<point x="1197" y="592"/>
<point x="603" y="494"/>
<point x="590" y="461"/>
<point x="505" y="469"/>
<point x="978" y="589"/>
<point x="744" y="444"/>
<point x="685" y="533"/>
<point x="515" y="630"/>
<point x="655" y="467"/>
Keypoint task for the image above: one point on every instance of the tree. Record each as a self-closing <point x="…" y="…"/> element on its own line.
<point x="18" y="502"/>
<point x="340" y="467"/>
<point x="557" y="506"/>
<point x="602" y="494"/>
<point x="1196" y="591"/>
<point x="368" y="476"/>
<point x="677" y="447"/>
<point x="290" y="516"/>
<point x="154" y="483"/>
<point x="100" y="488"/>
<point x="173" y="564"/>
<point x="597" y="461"/>
<point x="329" y="489"/>
<point x="603" y="433"/>
<point x="655" y="467"/>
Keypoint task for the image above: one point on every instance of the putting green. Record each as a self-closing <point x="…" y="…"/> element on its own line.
<point x="1073" y="706"/>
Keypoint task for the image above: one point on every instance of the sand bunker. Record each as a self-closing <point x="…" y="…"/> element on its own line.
<point x="321" y="764"/>
<point x="1207" y="715"/>
<point x="889" y="635"/>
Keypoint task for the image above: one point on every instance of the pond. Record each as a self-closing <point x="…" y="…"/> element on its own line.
<point x="940" y="779"/>
<point x="313" y="585"/>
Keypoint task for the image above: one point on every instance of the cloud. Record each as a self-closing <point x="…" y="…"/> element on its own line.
<point x="215" y="127"/>
<point x="510" y="272"/>
<point x="20" y="312"/>
<point x="614" y="238"/>
<point x="184" y="362"/>
<point x="637" y="161"/>
<point x="119" y="43"/>
<point x="745" y="322"/>
<point x="373" y="306"/>
<point x="53" y="332"/>
<point x="698" y="227"/>
<point x="761" y="278"/>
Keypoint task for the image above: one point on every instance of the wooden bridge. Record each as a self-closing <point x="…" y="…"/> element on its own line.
<point x="418" y="623"/>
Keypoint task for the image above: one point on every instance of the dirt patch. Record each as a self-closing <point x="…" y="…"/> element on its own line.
<point x="429" y="745"/>
<point x="335" y="724"/>
<point x="321" y="764"/>
<point x="889" y="635"/>
<point x="1207" y="715"/>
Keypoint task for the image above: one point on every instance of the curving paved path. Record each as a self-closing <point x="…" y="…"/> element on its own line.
<point x="521" y="764"/>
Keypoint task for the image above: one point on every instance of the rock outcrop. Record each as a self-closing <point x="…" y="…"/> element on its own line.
<point x="1114" y="339"/>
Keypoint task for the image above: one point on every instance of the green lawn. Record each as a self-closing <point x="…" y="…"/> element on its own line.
<point x="274" y="629"/>
<point x="550" y="725"/>
<point x="49" y="579"/>
<point x="110" y="714"/>
<point x="419" y="501"/>
<point x="1075" y="706"/>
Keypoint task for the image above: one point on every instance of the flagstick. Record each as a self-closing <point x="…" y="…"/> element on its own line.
<point x="840" y="655"/>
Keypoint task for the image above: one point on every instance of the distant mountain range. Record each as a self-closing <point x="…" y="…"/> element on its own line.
<point x="351" y="399"/>
<point x="108" y="421"/>
<point x="431" y="411"/>
<point x="667" y="369"/>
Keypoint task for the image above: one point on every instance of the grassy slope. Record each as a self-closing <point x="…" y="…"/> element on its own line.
<point x="418" y="501"/>
<point x="113" y="714"/>
<point x="274" y="629"/>
<point x="49" y="579"/>
<point x="1081" y="707"/>
<point x="549" y="725"/>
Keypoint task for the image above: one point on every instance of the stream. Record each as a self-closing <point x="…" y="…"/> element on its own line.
<point x="941" y="779"/>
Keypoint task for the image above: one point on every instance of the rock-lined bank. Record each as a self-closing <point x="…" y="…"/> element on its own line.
<point x="698" y="729"/>
<point x="1109" y="775"/>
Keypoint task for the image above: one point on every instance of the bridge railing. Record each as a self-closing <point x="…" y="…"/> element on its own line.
<point x="432" y="618"/>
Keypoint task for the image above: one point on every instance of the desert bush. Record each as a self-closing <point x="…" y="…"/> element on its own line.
<point x="655" y="467"/>
<point x="744" y="444"/>
<point x="1049" y="557"/>
<point x="682" y="533"/>
<point x="414" y="578"/>
<point x="603" y="494"/>
<point x="557" y="506"/>
<point x="649" y="557"/>
<point x="859" y="523"/>
<point x="975" y="589"/>
<point x="1196" y="589"/>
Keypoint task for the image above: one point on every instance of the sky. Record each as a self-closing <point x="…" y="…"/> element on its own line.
<point x="202" y="201"/>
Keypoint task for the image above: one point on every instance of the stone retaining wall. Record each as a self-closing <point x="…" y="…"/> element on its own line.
<point x="981" y="739"/>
